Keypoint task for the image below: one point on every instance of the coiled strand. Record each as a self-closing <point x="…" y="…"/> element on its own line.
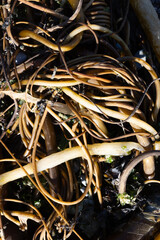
<point x="97" y="12"/>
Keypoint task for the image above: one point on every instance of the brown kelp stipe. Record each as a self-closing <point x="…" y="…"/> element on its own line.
<point x="74" y="101"/>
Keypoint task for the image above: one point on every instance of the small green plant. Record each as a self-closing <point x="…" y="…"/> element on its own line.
<point x="126" y="199"/>
<point x="109" y="159"/>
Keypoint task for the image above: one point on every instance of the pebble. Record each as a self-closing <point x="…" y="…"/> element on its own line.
<point x="20" y="58"/>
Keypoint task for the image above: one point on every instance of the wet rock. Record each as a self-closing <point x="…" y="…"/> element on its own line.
<point x="20" y="58"/>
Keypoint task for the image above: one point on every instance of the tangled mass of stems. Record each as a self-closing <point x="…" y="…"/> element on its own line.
<point x="55" y="89"/>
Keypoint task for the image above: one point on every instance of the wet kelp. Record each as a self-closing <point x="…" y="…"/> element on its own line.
<point x="77" y="104"/>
